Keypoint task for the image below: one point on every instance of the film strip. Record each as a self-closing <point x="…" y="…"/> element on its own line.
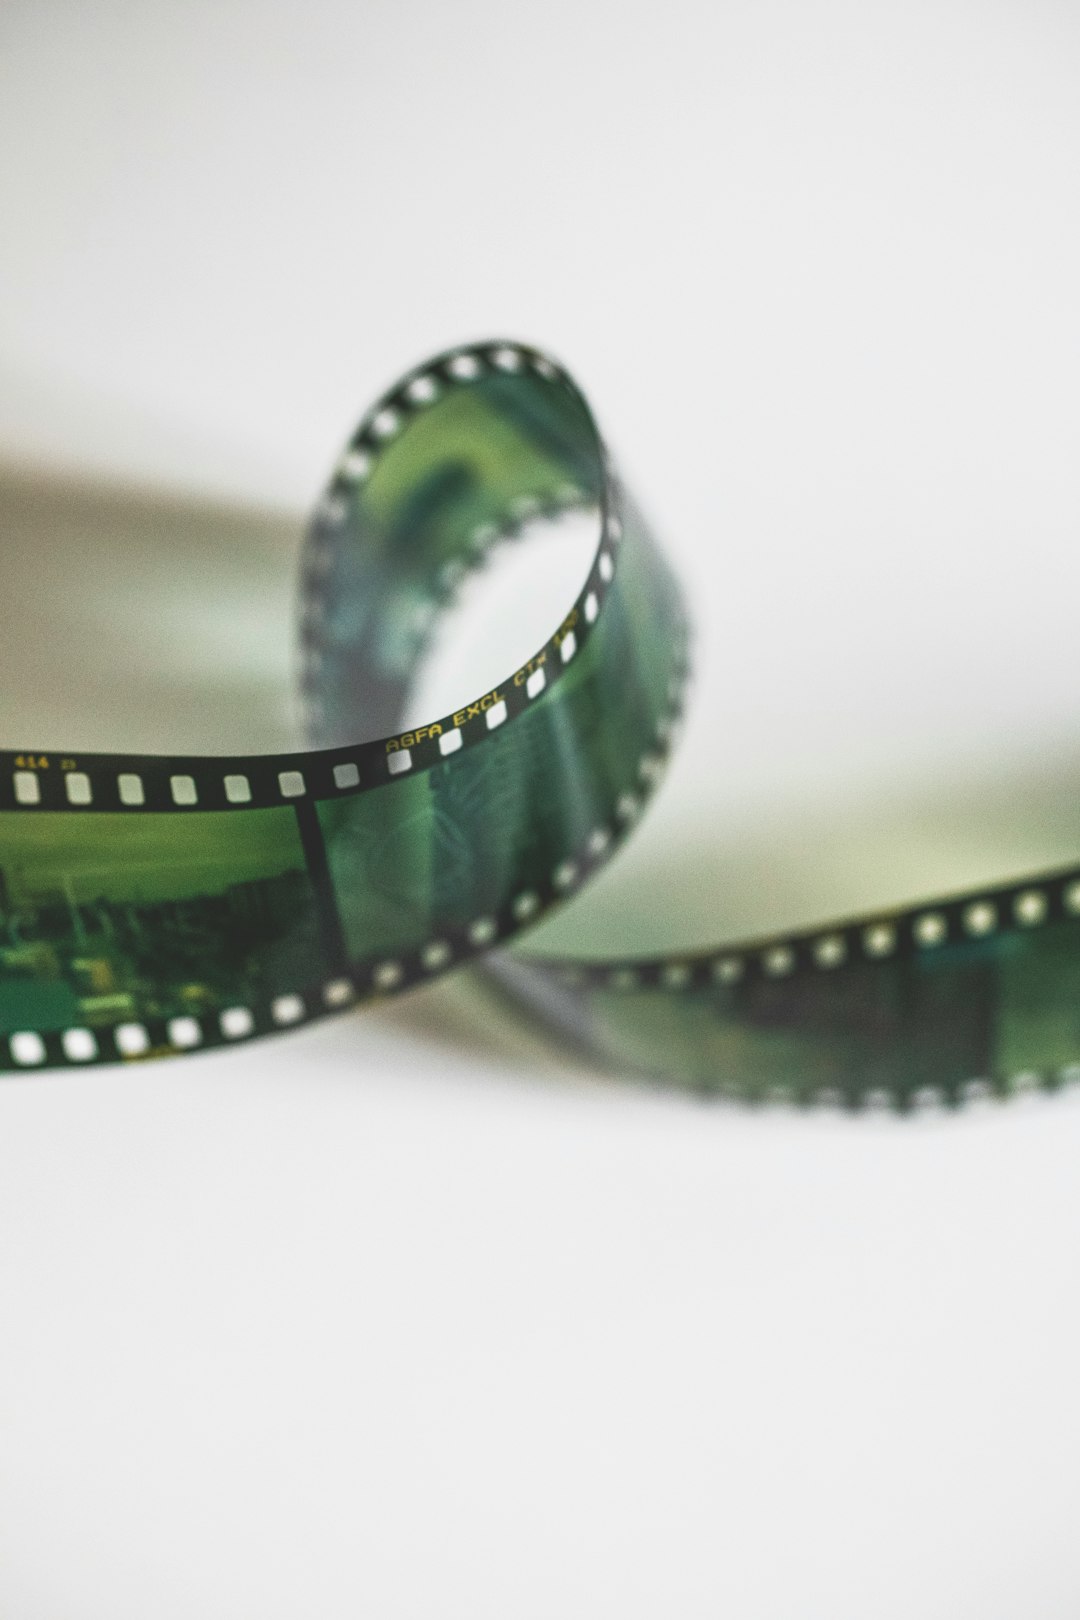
<point x="156" y="905"/>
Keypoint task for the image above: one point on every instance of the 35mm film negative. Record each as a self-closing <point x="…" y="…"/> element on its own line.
<point x="154" y="905"/>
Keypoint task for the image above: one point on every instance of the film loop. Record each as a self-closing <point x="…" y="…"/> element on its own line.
<point x="158" y="905"/>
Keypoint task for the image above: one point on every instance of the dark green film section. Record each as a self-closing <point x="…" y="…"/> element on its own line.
<point x="428" y="856"/>
<point x="106" y="918"/>
<point x="999" y="1015"/>
<point x="468" y="467"/>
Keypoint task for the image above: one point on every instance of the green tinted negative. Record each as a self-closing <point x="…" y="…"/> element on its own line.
<point x="152" y="905"/>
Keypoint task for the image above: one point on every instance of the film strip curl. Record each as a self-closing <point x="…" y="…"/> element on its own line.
<point x="151" y="906"/>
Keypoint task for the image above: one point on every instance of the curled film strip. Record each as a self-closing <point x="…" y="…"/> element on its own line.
<point x="152" y="905"/>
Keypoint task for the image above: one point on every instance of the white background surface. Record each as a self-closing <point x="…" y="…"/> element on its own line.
<point x="402" y="1316"/>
